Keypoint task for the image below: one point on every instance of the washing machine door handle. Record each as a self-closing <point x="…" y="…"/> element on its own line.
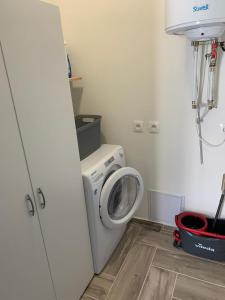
<point x="120" y="197"/>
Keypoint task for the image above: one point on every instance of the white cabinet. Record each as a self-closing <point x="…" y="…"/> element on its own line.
<point x="34" y="57"/>
<point x="24" y="272"/>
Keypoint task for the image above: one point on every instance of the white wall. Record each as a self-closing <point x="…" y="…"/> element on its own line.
<point x="133" y="71"/>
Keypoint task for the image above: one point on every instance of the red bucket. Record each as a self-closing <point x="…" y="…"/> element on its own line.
<point x="196" y="224"/>
<point x="192" y="222"/>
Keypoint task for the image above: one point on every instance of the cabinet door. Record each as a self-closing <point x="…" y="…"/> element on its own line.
<point x="36" y="63"/>
<point x="24" y="272"/>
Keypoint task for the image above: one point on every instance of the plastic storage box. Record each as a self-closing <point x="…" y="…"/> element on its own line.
<point x="88" y="134"/>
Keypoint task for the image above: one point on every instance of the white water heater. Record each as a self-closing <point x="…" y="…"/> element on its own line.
<point x="203" y="22"/>
<point x="197" y="19"/>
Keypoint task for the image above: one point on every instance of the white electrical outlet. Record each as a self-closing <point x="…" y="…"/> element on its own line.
<point x="138" y="126"/>
<point x="153" y="127"/>
<point x="222" y="126"/>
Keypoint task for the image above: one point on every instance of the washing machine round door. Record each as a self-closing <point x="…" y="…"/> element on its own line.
<point x="121" y="196"/>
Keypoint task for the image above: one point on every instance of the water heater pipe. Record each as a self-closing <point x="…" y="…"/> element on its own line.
<point x="212" y="75"/>
<point x="195" y="78"/>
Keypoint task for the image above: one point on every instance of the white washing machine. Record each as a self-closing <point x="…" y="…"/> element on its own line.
<point x="113" y="193"/>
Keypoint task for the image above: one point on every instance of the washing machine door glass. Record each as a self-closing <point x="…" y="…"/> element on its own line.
<point x="120" y="197"/>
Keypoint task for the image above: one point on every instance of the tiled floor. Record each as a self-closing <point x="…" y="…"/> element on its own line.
<point x="146" y="266"/>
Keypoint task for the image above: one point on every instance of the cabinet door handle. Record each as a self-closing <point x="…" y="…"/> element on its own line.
<point x="30" y="205"/>
<point x="42" y="196"/>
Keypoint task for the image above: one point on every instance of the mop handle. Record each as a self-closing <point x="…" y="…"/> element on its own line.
<point x="220" y="204"/>
<point x="223" y="185"/>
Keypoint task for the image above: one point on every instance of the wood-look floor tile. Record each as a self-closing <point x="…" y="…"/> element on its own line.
<point x="151" y="225"/>
<point x="115" y="262"/>
<point x="129" y="281"/>
<point x="192" y="289"/>
<point x="168" y="228"/>
<point x="191" y="266"/>
<point x="159" y="285"/>
<point x="99" y="287"/>
<point x="85" y="297"/>
<point x="107" y="276"/>
<point x="162" y="239"/>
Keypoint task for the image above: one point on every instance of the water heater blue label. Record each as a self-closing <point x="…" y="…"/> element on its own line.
<point x="200" y="8"/>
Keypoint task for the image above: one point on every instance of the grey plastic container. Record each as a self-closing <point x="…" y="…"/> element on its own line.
<point x="206" y="247"/>
<point x="88" y="134"/>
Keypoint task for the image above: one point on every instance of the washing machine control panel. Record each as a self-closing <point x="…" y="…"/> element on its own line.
<point x="109" y="161"/>
<point x="101" y="170"/>
<point x="96" y="176"/>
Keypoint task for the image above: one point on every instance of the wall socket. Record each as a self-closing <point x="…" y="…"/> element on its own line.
<point x="153" y="127"/>
<point x="222" y="126"/>
<point x="138" y="126"/>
